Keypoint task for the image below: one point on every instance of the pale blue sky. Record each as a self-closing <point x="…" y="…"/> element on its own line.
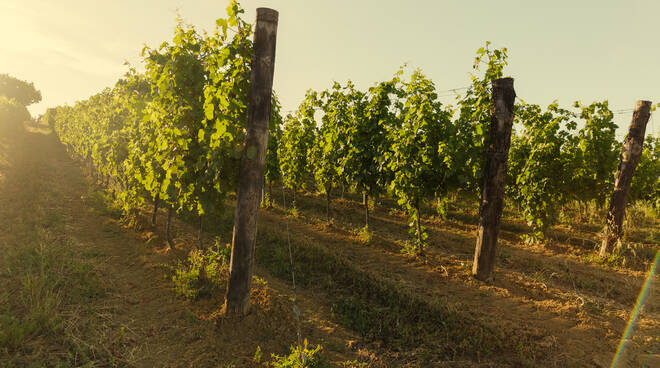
<point x="565" y="50"/>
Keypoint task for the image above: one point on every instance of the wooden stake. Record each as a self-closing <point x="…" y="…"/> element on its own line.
<point x="365" y="200"/>
<point x="168" y="227"/>
<point x="630" y="155"/>
<point x="251" y="174"/>
<point x="327" y="204"/>
<point x="492" y="196"/>
<point x="200" y="235"/>
<point x="155" y="213"/>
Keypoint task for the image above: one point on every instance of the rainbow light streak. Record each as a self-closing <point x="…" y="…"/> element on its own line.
<point x="641" y="298"/>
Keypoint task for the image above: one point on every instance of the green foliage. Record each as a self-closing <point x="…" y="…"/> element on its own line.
<point x="300" y="357"/>
<point x="14" y="332"/>
<point x="594" y="154"/>
<point x="354" y="364"/>
<point x="365" y="236"/>
<point x="331" y="146"/>
<point x="474" y="118"/>
<point x="175" y="133"/>
<point x="176" y="76"/>
<point x="257" y="355"/>
<point x="646" y="181"/>
<point x="421" y="155"/>
<point x="640" y="213"/>
<point x="373" y="117"/>
<point x="299" y="134"/>
<point x="293" y="211"/>
<point x="23" y="92"/>
<point x="626" y="255"/>
<point x="272" y="165"/>
<point x="539" y="164"/>
<point x="202" y="272"/>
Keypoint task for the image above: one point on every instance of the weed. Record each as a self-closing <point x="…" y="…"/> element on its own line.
<point x="639" y="213"/>
<point x="442" y="207"/>
<point x="353" y="364"/>
<point x="410" y="248"/>
<point x="300" y="357"/>
<point x="102" y="203"/>
<point x="466" y="266"/>
<point x="365" y="236"/>
<point x="257" y="355"/>
<point x="267" y="201"/>
<point x="293" y="211"/>
<point x="203" y="272"/>
<point x="14" y="332"/>
<point x="533" y="237"/>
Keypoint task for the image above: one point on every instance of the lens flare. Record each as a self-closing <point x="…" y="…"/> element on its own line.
<point x="641" y="298"/>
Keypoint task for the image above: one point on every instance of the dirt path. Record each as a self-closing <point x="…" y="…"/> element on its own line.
<point x="126" y="313"/>
<point x="572" y="313"/>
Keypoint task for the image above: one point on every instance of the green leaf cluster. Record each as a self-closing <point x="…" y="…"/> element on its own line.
<point x="176" y="132"/>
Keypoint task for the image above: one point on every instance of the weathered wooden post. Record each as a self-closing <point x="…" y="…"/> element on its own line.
<point x="168" y="226"/>
<point x="630" y="155"/>
<point x="365" y="201"/>
<point x="251" y="174"/>
<point x="154" y="216"/>
<point x="492" y="196"/>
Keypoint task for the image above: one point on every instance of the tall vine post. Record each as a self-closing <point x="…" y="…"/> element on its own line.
<point x="252" y="166"/>
<point x="631" y="152"/>
<point x="492" y="196"/>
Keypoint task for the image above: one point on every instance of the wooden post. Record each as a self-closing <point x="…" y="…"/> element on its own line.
<point x="251" y="174"/>
<point x="630" y="155"/>
<point x="271" y="200"/>
<point x="155" y="214"/>
<point x="365" y="200"/>
<point x="418" y="224"/>
<point x="168" y="227"/>
<point x="327" y="204"/>
<point x="492" y="196"/>
<point x="200" y="235"/>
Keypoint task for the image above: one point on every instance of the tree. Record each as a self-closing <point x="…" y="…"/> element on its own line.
<point x="22" y="91"/>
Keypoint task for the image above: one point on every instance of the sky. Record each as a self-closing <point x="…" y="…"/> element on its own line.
<point x="558" y="50"/>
